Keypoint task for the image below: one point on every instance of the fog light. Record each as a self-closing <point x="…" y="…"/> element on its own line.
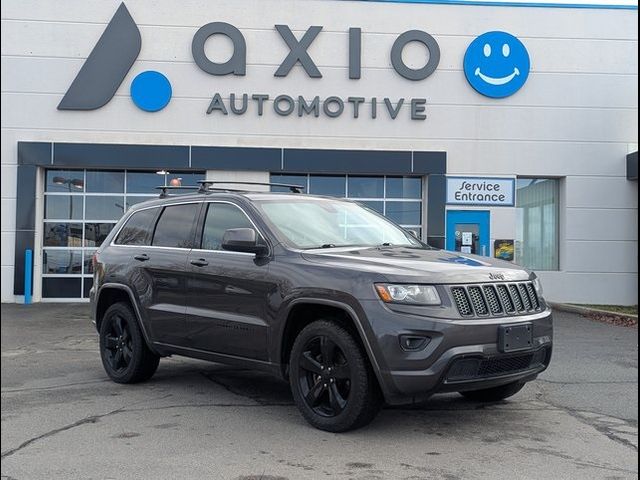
<point x="413" y="343"/>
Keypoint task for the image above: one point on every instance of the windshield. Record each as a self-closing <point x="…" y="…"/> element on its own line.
<point x="325" y="223"/>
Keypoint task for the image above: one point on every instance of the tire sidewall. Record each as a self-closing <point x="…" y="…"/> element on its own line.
<point x="137" y="342"/>
<point x="360" y="386"/>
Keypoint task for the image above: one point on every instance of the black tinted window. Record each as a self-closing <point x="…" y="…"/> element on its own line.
<point x="220" y="217"/>
<point x="137" y="230"/>
<point x="175" y="225"/>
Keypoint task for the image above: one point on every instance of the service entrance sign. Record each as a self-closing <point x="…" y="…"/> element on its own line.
<point x="481" y="191"/>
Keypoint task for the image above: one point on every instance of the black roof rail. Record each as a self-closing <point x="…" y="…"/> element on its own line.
<point x="206" y="184"/>
<point x="164" y="189"/>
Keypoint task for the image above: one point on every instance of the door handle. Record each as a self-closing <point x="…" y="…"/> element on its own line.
<point x="201" y="262"/>
<point x="143" y="257"/>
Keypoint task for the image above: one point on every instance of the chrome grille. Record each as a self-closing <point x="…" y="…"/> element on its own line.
<point x="492" y="299"/>
<point x="517" y="299"/>
<point x="477" y="300"/>
<point x="525" y="296"/>
<point x="483" y="300"/>
<point x="462" y="301"/>
<point x="505" y="298"/>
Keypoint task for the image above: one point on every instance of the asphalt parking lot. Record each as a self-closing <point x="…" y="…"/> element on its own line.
<point x="62" y="418"/>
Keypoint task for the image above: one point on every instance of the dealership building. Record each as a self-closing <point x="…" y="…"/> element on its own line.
<point x="504" y="129"/>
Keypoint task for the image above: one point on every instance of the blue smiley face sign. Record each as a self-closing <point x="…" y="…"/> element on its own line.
<point x="496" y="64"/>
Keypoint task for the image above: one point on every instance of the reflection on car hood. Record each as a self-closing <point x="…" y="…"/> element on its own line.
<point x="402" y="264"/>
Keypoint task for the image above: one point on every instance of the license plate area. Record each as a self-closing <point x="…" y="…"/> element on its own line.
<point x="514" y="338"/>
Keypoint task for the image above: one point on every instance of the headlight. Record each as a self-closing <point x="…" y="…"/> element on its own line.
<point x="538" y="286"/>
<point x="408" y="294"/>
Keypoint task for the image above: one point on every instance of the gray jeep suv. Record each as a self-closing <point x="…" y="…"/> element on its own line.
<point x="349" y="308"/>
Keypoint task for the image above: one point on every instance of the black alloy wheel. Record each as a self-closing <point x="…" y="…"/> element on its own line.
<point x="332" y="382"/>
<point x="125" y="355"/>
<point x="324" y="376"/>
<point x="118" y="344"/>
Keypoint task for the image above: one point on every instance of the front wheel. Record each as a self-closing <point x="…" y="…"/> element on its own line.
<point x="125" y="355"/>
<point x="331" y="380"/>
<point x="494" y="394"/>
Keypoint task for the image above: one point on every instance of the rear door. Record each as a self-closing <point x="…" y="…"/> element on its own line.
<point x="228" y="291"/>
<point x="159" y="272"/>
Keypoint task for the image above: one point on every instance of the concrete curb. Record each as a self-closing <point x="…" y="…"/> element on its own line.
<point x="566" y="307"/>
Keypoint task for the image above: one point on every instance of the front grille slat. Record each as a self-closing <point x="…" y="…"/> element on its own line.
<point x="482" y="300"/>
<point x="477" y="300"/>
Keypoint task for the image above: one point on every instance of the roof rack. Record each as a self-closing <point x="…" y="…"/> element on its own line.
<point x="164" y="189"/>
<point x="205" y="185"/>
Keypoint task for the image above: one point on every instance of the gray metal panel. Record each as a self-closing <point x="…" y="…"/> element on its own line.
<point x="107" y="64"/>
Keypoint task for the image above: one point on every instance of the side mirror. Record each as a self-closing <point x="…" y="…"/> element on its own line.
<point x="242" y="240"/>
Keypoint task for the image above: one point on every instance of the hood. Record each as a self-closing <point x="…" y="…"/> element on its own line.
<point x="405" y="264"/>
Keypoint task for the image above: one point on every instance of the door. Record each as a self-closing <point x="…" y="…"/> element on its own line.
<point x="468" y="231"/>
<point x="228" y="292"/>
<point x="159" y="272"/>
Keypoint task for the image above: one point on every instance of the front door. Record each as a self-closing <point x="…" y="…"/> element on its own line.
<point x="468" y="231"/>
<point x="228" y="292"/>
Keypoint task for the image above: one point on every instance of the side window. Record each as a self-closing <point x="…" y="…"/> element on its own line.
<point x="220" y="217"/>
<point x="138" y="229"/>
<point x="175" y="226"/>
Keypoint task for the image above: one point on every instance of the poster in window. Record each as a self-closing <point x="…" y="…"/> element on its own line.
<point x="504" y="250"/>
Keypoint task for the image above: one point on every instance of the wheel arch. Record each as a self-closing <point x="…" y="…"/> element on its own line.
<point x="292" y="327"/>
<point x="111" y="293"/>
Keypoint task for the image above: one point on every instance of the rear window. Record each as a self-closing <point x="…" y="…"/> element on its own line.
<point x="175" y="226"/>
<point x="138" y="229"/>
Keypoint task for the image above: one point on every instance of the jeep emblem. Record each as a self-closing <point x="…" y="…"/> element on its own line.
<point x="496" y="276"/>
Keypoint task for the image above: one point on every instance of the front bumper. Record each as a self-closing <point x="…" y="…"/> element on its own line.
<point x="461" y="354"/>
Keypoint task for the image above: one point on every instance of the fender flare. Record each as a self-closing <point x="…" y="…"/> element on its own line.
<point x="136" y="311"/>
<point x="356" y="321"/>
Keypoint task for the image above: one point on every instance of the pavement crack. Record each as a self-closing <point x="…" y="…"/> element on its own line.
<point x="52" y="387"/>
<point x="587" y="382"/>
<point x="55" y="431"/>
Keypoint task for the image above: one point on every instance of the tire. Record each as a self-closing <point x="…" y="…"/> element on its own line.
<point x="494" y="394"/>
<point x="331" y="379"/>
<point x="124" y="352"/>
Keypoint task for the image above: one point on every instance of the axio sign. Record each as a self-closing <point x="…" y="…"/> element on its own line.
<point x="117" y="49"/>
<point x="481" y="191"/>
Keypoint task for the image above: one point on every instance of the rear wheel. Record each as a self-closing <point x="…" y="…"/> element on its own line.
<point x="331" y="379"/>
<point x="125" y="355"/>
<point x="494" y="394"/>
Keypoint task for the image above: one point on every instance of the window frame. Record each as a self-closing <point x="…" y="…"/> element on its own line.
<point x="200" y="229"/>
<point x="194" y="224"/>
<point x="154" y="221"/>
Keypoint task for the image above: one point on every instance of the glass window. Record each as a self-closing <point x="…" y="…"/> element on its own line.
<point x="314" y="223"/>
<point x="61" y="287"/>
<point x="62" y="234"/>
<point x="64" y="181"/>
<point x="61" y="261"/>
<point x="88" y="261"/>
<point x="143" y="182"/>
<point x="405" y="213"/>
<point x="63" y="207"/>
<point x="105" y="181"/>
<point x="220" y="217"/>
<point x="100" y="207"/>
<point x="366" y="187"/>
<point x="374" y="205"/>
<point x="138" y="229"/>
<point x="404" y="187"/>
<point x="175" y="226"/>
<point x="134" y="200"/>
<point x="96" y="233"/>
<point x="300" y="180"/>
<point x="537" y="223"/>
<point x="327" y="185"/>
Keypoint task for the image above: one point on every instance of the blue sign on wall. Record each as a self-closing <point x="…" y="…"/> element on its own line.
<point x="496" y="64"/>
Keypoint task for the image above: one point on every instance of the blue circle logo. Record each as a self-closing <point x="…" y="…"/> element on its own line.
<point x="150" y="91"/>
<point x="496" y="64"/>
